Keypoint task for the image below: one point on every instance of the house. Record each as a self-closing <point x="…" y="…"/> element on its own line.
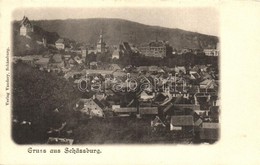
<point x="141" y="69"/>
<point x="208" y="84"/>
<point x="211" y="52"/>
<point x="116" y="54"/>
<point x="112" y="98"/>
<point x="206" y="75"/>
<point x="197" y="124"/>
<point x="105" y="104"/>
<point x="187" y="106"/>
<point x="209" y="131"/>
<point x="60" y="44"/>
<point x="114" y="67"/>
<point x="179" y="69"/>
<point x="115" y="107"/>
<point x="185" y="50"/>
<point x="168" y="107"/>
<point x="157" y="122"/>
<point x="154" y="49"/>
<point x="66" y="56"/>
<point x="93" y="65"/>
<point x="43" y="42"/>
<point x="26" y="59"/>
<point x="146" y="96"/>
<point x="148" y="110"/>
<point x="78" y="59"/>
<point x="194" y="75"/>
<point x="56" y="61"/>
<point x="70" y="62"/>
<point x="91" y="107"/>
<point x="84" y="53"/>
<point x="153" y="69"/>
<point x="125" y="110"/>
<point x="214" y="113"/>
<point x="195" y="69"/>
<point x="182" y="122"/>
<point x="100" y="96"/>
<point x="172" y="102"/>
<point x="159" y="98"/>
<point x="203" y="99"/>
<point x="25" y="27"/>
<point x="203" y="68"/>
<point x="43" y="62"/>
<point x="57" y="129"/>
<point x="202" y="113"/>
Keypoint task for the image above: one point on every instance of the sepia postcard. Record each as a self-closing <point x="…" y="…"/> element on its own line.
<point x="104" y="82"/>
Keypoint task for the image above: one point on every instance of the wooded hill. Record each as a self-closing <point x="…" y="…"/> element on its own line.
<point x="118" y="30"/>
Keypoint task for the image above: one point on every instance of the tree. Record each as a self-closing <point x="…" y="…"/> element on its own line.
<point x="35" y="96"/>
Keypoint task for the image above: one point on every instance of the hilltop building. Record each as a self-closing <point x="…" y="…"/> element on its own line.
<point x="26" y="27"/>
<point x="212" y="52"/>
<point x="101" y="45"/>
<point x="154" y="49"/>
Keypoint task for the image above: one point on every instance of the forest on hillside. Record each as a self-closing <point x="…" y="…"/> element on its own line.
<point x="119" y="30"/>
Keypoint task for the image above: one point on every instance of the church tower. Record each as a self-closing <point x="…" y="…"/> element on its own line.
<point x="101" y="44"/>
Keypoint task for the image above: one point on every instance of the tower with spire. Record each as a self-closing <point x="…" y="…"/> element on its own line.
<point x="101" y="45"/>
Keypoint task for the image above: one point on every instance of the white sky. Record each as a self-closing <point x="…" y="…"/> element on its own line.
<point x="202" y="20"/>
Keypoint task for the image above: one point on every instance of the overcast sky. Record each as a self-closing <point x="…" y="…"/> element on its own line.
<point x="202" y="20"/>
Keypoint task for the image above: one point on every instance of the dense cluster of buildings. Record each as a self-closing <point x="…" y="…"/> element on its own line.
<point x="178" y="99"/>
<point x="187" y="102"/>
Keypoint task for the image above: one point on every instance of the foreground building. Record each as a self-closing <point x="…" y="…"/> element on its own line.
<point x="91" y="107"/>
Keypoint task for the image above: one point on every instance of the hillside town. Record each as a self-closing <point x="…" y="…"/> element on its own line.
<point x="169" y="94"/>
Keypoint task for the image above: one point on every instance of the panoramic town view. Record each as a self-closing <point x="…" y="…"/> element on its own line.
<point x="113" y="81"/>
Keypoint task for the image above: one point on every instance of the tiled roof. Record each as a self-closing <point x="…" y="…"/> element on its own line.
<point x="125" y="110"/>
<point x="209" y="134"/>
<point x="61" y="40"/>
<point x="210" y="125"/>
<point x="148" y="110"/>
<point x="57" y="58"/>
<point x="183" y="120"/>
<point x="99" y="103"/>
<point x="209" y="131"/>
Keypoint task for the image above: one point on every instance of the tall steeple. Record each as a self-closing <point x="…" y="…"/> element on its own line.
<point x="101" y="44"/>
<point x="101" y="36"/>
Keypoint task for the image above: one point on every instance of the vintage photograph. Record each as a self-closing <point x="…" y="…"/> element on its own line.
<point x="115" y="75"/>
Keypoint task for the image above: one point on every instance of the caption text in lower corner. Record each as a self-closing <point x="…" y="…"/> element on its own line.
<point x="66" y="150"/>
